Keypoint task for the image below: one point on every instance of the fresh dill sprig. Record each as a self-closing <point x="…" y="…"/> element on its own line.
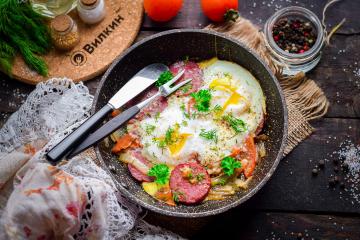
<point x="236" y="124"/>
<point x="209" y="135"/>
<point x="23" y="31"/>
<point x="149" y="129"/>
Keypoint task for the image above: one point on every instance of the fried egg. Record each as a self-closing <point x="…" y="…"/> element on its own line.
<point x="173" y="137"/>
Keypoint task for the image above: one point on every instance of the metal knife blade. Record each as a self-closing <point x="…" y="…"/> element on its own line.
<point x="137" y="84"/>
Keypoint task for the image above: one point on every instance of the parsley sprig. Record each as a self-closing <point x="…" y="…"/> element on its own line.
<point x="161" y="172"/>
<point x="202" y="100"/>
<point x="228" y="164"/>
<point x="209" y="135"/>
<point x="236" y="124"/>
<point x="164" y="78"/>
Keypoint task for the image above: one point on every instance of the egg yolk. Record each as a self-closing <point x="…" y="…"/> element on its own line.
<point x="224" y="84"/>
<point x="178" y="140"/>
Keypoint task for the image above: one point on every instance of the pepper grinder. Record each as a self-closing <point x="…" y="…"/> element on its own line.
<point x="91" y="11"/>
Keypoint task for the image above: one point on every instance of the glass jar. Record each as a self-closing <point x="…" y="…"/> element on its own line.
<point x="91" y="11"/>
<point x="295" y="62"/>
<point x="53" y="8"/>
<point x="64" y="32"/>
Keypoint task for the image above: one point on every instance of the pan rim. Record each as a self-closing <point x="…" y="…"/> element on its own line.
<point x="236" y="202"/>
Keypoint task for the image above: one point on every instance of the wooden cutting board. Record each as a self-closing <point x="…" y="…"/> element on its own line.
<point x="99" y="45"/>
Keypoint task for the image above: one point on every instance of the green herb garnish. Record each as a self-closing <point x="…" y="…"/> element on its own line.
<point x="200" y="177"/>
<point x="167" y="140"/>
<point x="236" y="124"/>
<point x="183" y="109"/>
<point x="161" y="172"/>
<point x="164" y="78"/>
<point x="176" y="195"/>
<point x="186" y="88"/>
<point x="228" y="164"/>
<point x="209" y="135"/>
<point x="149" y="129"/>
<point x="202" y="100"/>
<point x="23" y="31"/>
<point x="157" y="116"/>
<point x="217" y="108"/>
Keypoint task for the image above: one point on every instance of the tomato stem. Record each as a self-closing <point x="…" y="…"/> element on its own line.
<point x="231" y="15"/>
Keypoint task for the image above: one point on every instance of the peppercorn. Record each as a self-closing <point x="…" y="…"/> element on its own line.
<point x="112" y="169"/>
<point x="315" y="172"/>
<point x="294" y="35"/>
<point x="299" y="236"/>
<point x="332" y="182"/>
<point x="321" y="163"/>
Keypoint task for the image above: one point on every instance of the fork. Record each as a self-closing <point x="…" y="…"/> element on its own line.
<point x="115" y="123"/>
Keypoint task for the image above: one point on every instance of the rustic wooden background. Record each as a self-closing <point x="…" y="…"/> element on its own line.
<point x="293" y="204"/>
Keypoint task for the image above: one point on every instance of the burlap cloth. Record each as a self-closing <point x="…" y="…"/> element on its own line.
<point x="305" y="101"/>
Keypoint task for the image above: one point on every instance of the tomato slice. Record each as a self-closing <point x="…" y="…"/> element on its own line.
<point x="251" y="155"/>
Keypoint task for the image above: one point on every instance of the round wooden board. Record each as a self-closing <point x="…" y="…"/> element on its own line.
<point x="99" y="45"/>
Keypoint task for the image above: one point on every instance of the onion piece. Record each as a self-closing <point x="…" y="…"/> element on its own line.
<point x="129" y="158"/>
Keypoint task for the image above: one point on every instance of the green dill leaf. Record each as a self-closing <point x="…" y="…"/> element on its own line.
<point x="202" y="100"/>
<point x="236" y="124"/>
<point x="186" y="88"/>
<point x="164" y="78"/>
<point x="200" y="177"/>
<point x="168" y="136"/>
<point x="228" y="164"/>
<point x="217" y="108"/>
<point x="209" y="135"/>
<point x="184" y="123"/>
<point x="157" y="116"/>
<point x="149" y="129"/>
<point x="161" y="172"/>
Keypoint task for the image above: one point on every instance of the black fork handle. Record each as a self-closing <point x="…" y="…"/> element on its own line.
<point x="62" y="149"/>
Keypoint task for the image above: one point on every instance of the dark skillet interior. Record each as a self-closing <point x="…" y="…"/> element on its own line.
<point x="171" y="46"/>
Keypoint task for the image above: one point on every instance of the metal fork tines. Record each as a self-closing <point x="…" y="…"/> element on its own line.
<point x="167" y="89"/>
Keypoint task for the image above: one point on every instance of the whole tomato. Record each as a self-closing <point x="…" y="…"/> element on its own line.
<point x="220" y="10"/>
<point x="162" y="10"/>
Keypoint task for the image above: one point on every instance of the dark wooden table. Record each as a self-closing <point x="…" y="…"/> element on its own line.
<point x="293" y="204"/>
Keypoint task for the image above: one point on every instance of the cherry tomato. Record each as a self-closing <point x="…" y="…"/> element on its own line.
<point x="162" y="10"/>
<point x="220" y="10"/>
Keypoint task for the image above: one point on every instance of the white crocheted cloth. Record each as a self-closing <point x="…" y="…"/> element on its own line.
<point x="52" y="110"/>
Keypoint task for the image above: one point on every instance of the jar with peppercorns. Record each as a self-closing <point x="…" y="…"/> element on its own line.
<point x="295" y="38"/>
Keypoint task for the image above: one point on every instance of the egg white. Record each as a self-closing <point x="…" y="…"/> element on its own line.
<point x="251" y="110"/>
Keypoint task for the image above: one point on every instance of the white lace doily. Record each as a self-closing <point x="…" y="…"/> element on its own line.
<point x="51" y="111"/>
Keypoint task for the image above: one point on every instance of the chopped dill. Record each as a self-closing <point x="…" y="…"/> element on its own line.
<point x="236" y="124"/>
<point x="209" y="135"/>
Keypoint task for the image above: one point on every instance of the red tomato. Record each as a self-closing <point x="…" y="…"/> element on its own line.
<point x="220" y="10"/>
<point x="162" y="10"/>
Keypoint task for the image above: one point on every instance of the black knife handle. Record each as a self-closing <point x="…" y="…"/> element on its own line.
<point x="63" y="148"/>
<point x="105" y="130"/>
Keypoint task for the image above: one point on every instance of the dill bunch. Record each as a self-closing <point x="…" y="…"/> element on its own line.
<point x="23" y="31"/>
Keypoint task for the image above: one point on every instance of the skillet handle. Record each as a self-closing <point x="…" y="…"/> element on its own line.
<point x="62" y="149"/>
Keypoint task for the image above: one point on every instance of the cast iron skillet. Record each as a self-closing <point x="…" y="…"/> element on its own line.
<point x="168" y="47"/>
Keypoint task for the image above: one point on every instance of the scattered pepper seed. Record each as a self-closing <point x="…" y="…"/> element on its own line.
<point x="299" y="236"/>
<point x="332" y="182"/>
<point x="112" y="169"/>
<point x="321" y="163"/>
<point x="315" y="172"/>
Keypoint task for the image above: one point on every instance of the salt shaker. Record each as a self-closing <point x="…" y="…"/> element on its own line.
<point x="91" y="11"/>
<point x="64" y="32"/>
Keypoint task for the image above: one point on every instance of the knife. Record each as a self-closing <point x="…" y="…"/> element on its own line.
<point x="116" y="122"/>
<point x="137" y="84"/>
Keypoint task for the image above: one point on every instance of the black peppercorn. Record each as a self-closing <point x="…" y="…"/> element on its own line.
<point x="321" y="163"/>
<point x="315" y="172"/>
<point x="332" y="182"/>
